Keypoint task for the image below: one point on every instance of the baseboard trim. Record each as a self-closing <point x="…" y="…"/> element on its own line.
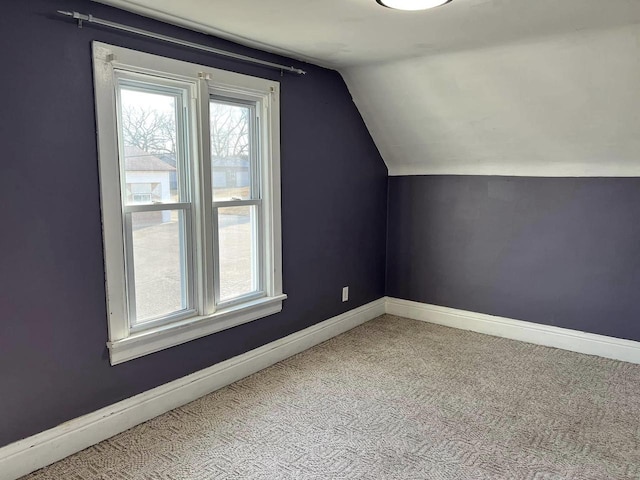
<point x="566" y="339"/>
<point x="25" y="456"/>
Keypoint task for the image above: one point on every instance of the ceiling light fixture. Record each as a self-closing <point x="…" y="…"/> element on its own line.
<point x="412" y="4"/>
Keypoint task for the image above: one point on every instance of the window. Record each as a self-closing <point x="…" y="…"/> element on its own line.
<point x="190" y="191"/>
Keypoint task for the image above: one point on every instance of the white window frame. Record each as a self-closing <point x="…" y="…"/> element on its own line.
<point x="127" y="342"/>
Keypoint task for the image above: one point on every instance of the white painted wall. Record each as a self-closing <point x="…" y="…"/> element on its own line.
<point x="558" y="106"/>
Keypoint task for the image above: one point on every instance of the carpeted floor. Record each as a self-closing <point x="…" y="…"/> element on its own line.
<point x="394" y="399"/>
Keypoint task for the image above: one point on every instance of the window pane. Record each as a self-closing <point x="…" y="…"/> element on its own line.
<point x="230" y="151"/>
<point x="159" y="258"/>
<point x="148" y="123"/>
<point x="237" y="227"/>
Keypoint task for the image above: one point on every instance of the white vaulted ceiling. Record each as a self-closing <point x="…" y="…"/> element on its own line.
<point x="505" y="87"/>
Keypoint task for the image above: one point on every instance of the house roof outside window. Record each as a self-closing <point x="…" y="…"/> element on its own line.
<point x="137" y="159"/>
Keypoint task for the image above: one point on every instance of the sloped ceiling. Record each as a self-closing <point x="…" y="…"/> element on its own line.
<point x="503" y="87"/>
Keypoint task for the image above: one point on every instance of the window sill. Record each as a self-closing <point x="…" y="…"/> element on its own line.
<point x="153" y="340"/>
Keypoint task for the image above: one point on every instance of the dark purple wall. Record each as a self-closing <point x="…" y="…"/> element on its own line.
<point x="556" y="251"/>
<point x="53" y="360"/>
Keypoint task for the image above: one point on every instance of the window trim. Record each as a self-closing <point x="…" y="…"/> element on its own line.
<point x="127" y="342"/>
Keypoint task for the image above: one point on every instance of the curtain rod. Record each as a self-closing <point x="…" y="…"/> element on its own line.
<point x="176" y="41"/>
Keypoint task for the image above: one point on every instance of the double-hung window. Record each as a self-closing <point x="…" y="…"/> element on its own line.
<point x="190" y="191"/>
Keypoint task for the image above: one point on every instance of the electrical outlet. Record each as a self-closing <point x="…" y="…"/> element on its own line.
<point x="345" y="294"/>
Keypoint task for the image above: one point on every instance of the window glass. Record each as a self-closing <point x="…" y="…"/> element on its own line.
<point x="237" y="239"/>
<point x="231" y="150"/>
<point x="159" y="261"/>
<point x="149" y="132"/>
<point x="152" y="166"/>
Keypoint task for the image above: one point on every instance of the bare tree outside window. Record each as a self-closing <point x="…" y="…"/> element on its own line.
<point x="153" y="129"/>
<point x="149" y="128"/>
<point x="229" y="130"/>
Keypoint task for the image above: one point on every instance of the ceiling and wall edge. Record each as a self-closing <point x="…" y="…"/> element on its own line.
<point x="552" y="106"/>
<point x="216" y="32"/>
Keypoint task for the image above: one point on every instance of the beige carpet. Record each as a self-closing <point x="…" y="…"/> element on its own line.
<point x="394" y="399"/>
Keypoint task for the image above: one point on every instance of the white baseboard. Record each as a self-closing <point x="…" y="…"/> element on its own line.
<point x="573" y="340"/>
<point x="30" y="454"/>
